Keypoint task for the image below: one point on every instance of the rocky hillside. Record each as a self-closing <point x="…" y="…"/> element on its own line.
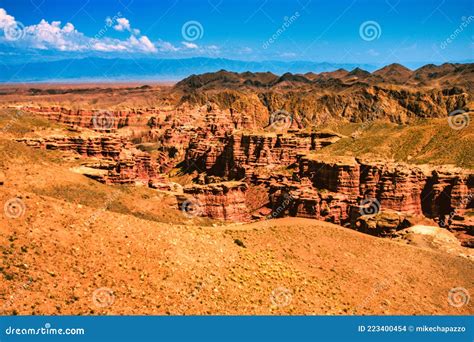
<point x="392" y="93"/>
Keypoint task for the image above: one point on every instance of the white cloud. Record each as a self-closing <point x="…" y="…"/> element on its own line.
<point x="108" y="47"/>
<point x="373" y="53"/>
<point x="143" y="43"/>
<point x="6" y="20"/>
<point x="123" y="24"/>
<point x="288" y="55"/>
<point x="51" y="35"/>
<point x="166" y="46"/>
<point x="54" y="36"/>
<point x="189" y="45"/>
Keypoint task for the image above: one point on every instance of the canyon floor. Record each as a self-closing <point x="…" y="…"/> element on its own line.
<point x="212" y="197"/>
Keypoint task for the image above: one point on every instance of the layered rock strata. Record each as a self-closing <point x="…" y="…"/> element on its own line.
<point x="341" y="190"/>
<point x="221" y="201"/>
<point x="120" y="163"/>
<point x="100" y="120"/>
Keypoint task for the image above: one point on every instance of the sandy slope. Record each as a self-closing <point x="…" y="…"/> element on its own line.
<point x="59" y="252"/>
<point x="66" y="246"/>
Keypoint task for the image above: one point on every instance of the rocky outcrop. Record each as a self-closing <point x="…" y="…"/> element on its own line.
<point x="388" y="222"/>
<point x="220" y="201"/>
<point x="102" y="146"/>
<point x="339" y="175"/>
<point x="436" y="238"/>
<point x="99" y="120"/>
<point x="346" y="190"/>
<point x="301" y="200"/>
<point x="395" y="186"/>
<point x="241" y="155"/>
<point x="119" y="162"/>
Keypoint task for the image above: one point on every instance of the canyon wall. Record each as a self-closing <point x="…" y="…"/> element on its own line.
<point x="99" y="120"/>
<point x="116" y="161"/>
<point x="340" y="190"/>
<point x="220" y="201"/>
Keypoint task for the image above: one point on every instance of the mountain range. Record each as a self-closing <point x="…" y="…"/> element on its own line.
<point x="103" y="69"/>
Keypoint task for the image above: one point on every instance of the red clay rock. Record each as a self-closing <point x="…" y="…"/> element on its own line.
<point x="99" y="120"/>
<point x="220" y="201"/>
<point x="108" y="146"/>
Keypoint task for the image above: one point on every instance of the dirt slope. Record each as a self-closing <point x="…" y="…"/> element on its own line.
<point x="72" y="255"/>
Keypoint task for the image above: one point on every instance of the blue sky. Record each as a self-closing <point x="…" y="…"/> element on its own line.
<point x="343" y="31"/>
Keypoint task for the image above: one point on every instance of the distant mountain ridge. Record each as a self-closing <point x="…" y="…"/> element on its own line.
<point x="102" y="69"/>
<point x="445" y="75"/>
<point x="393" y="93"/>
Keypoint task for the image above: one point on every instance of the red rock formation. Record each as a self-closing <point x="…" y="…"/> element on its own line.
<point x="123" y="163"/>
<point x="106" y="146"/>
<point x="339" y="175"/>
<point x="337" y="189"/>
<point x="100" y="120"/>
<point x="239" y="156"/>
<point x="134" y="167"/>
<point x="220" y="201"/>
<point x="395" y="186"/>
<point x="294" y="199"/>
